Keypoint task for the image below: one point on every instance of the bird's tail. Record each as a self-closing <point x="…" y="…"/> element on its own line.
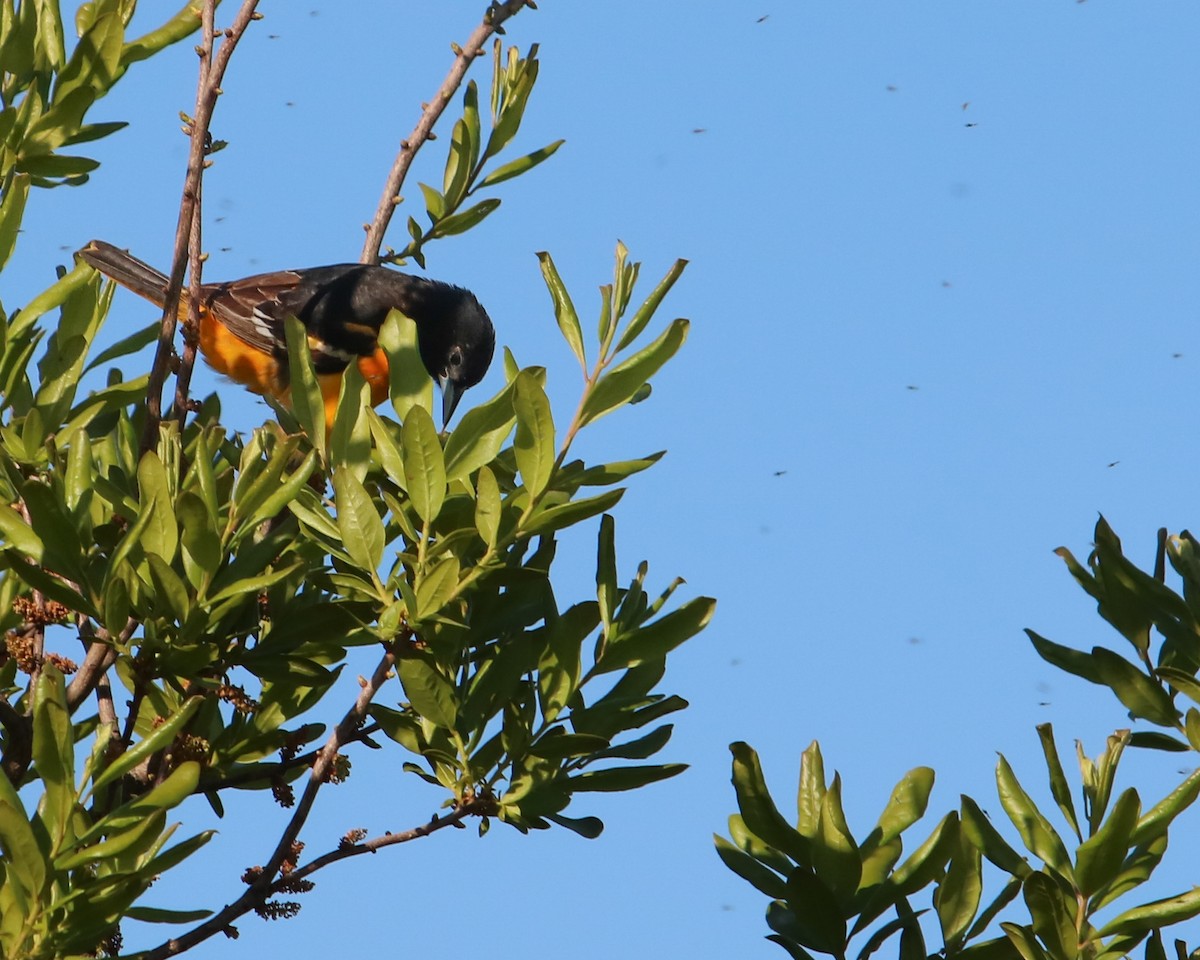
<point x="127" y="270"/>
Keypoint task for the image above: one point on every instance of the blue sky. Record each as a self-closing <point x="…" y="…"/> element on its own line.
<point x="942" y="262"/>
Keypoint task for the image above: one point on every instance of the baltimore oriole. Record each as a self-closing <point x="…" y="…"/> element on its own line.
<point x="341" y="306"/>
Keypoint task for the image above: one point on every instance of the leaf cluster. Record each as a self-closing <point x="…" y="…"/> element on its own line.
<point x="466" y="172"/>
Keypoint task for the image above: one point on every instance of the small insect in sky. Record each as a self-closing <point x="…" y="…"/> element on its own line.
<point x="970" y="124"/>
<point x="762" y="18"/>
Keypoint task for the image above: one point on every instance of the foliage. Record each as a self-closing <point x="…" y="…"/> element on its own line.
<point x="223" y="582"/>
<point x="831" y="894"/>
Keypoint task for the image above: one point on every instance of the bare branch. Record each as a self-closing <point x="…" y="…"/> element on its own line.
<point x="493" y="19"/>
<point x="257" y="892"/>
<point x="212" y="70"/>
<point x="479" y="806"/>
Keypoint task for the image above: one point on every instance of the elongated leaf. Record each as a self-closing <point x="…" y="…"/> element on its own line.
<point x="564" y="310"/>
<point x="409" y="380"/>
<point x="306" y="400"/>
<point x="429" y="692"/>
<point x="834" y="852"/>
<point x="979" y="830"/>
<point x="1099" y="858"/>
<point x="487" y="507"/>
<point x="158" y="738"/>
<point x="656" y="640"/>
<point x="514" y="168"/>
<point x="548" y="519"/>
<point x="160" y="534"/>
<point x="620" y="384"/>
<point x="812" y="917"/>
<point x="534" y="444"/>
<point x="624" y="778"/>
<point x="651" y="304"/>
<point x="358" y="522"/>
<point x="479" y="435"/>
<point x="1159" y="817"/>
<point x="54" y="755"/>
<point x="12" y="208"/>
<point x="750" y="870"/>
<point x="759" y="811"/>
<point x="16" y="533"/>
<point x="1036" y="832"/>
<point x="424" y="465"/>
<point x="462" y="222"/>
<point x="1066" y="658"/>
<point x="810" y="793"/>
<point x="1058" y="780"/>
<point x="957" y="897"/>
<point x="1144" y="698"/>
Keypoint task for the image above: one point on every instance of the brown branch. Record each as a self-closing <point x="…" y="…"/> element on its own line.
<point x="481" y="806"/>
<point x="258" y="772"/>
<point x="261" y="888"/>
<point x="100" y="656"/>
<point x="212" y="70"/>
<point x="493" y="20"/>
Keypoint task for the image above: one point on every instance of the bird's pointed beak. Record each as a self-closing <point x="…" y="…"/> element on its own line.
<point x="451" y="394"/>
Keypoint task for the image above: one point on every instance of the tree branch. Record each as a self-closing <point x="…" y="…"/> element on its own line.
<point x="493" y="20"/>
<point x="212" y="70"/>
<point x="262" y="887"/>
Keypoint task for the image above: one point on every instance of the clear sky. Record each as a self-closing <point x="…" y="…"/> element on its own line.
<point x="943" y="289"/>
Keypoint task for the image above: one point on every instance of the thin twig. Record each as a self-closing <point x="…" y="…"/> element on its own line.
<point x="263" y="886"/>
<point x="260" y="772"/>
<point x="493" y="20"/>
<point x="212" y="70"/>
<point x="481" y="806"/>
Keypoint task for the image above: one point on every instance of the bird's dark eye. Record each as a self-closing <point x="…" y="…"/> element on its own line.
<point x="456" y="358"/>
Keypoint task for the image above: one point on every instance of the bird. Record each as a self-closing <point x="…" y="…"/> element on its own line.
<point x="342" y="307"/>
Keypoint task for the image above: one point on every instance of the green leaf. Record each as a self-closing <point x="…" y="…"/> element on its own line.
<point x="54" y="755"/>
<point x="1065" y="658"/>
<point x="606" y="570"/>
<point x="1159" y="817"/>
<point x="1099" y="858"/>
<point x="1052" y="914"/>
<point x="159" y="915"/>
<point x="160" y="534"/>
<point x="18" y="534"/>
<point x="564" y="310"/>
<point x="158" y="738"/>
<point x="350" y="439"/>
<point x="12" y="209"/>
<point x="750" y="870"/>
<point x="24" y="862"/>
<point x="548" y="519"/>
<point x="435" y="586"/>
<point x="977" y="828"/>
<point x="1058" y="780"/>
<point x="617" y="386"/>
<point x="424" y="465"/>
<point x="812" y="916"/>
<point x="1037" y="834"/>
<point x="458" y="223"/>
<point x="651" y="304"/>
<point x="479" y="435"/>
<point x="1144" y="698"/>
<point x="358" y="522"/>
<point x="534" y="444"/>
<point x="587" y="827"/>
<point x="514" y="168"/>
<point x="957" y="896"/>
<point x="810" y="793"/>
<point x="306" y="401"/>
<point x="487" y="507"/>
<point x="408" y="379"/>
<point x="834" y="853"/>
<point x="624" y="778"/>
<point x="429" y="692"/>
<point x="656" y="640"/>
<point x="123" y="348"/>
<point x="759" y="811"/>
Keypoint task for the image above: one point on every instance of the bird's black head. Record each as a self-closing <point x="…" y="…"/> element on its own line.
<point x="456" y="339"/>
